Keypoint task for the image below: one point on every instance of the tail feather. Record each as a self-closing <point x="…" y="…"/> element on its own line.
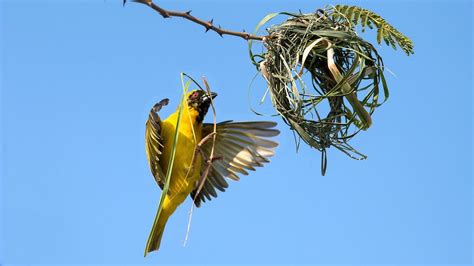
<point x="154" y="240"/>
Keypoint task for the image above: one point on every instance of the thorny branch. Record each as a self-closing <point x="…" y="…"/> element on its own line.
<point x="208" y="25"/>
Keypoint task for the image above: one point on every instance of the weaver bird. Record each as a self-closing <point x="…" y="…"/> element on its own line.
<point x="238" y="147"/>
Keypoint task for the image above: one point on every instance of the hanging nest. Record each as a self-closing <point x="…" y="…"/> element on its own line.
<point x="324" y="80"/>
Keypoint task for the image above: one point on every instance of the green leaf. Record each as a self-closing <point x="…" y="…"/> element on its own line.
<point x="367" y="18"/>
<point x="379" y="35"/>
<point x="257" y="28"/>
<point x="357" y="15"/>
<point x="350" y="13"/>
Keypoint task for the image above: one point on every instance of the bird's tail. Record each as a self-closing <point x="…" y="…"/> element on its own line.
<point x="158" y="228"/>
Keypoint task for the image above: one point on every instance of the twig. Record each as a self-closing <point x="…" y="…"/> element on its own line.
<point x="208" y="161"/>
<point x="208" y="25"/>
<point x="198" y="150"/>
<point x="214" y="135"/>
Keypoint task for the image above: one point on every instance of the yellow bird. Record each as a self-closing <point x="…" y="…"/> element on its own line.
<point x="238" y="147"/>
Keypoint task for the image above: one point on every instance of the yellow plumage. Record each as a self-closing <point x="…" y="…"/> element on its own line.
<point x="240" y="146"/>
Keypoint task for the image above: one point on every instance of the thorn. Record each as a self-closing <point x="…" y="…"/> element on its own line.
<point x="209" y="25"/>
<point x="243" y="30"/>
<point x="124" y="2"/>
<point x="189" y="12"/>
<point x="220" y="33"/>
<point x="165" y="14"/>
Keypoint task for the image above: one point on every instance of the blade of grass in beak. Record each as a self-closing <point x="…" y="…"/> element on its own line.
<point x="170" y="167"/>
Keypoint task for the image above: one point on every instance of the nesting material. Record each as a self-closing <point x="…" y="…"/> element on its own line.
<point x="324" y="80"/>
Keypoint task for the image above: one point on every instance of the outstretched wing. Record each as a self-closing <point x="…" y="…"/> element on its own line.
<point x="154" y="142"/>
<point x="239" y="147"/>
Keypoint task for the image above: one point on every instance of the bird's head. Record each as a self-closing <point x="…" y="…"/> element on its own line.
<point x="200" y="101"/>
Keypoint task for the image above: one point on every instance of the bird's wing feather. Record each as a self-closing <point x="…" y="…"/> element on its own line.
<point x="154" y="142"/>
<point x="240" y="147"/>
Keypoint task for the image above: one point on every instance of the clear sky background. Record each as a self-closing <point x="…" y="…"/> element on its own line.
<point x="78" y="79"/>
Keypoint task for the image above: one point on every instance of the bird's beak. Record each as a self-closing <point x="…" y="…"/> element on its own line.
<point x="208" y="97"/>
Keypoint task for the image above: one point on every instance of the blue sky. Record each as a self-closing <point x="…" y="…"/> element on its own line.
<point x="78" y="79"/>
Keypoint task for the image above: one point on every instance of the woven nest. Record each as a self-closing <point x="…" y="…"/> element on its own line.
<point x="324" y="80"/>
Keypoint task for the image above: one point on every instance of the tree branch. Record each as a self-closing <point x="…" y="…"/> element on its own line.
<point x="208" y="25"/>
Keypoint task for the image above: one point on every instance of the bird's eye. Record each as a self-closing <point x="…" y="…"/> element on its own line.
<point x="194" y="95"/>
